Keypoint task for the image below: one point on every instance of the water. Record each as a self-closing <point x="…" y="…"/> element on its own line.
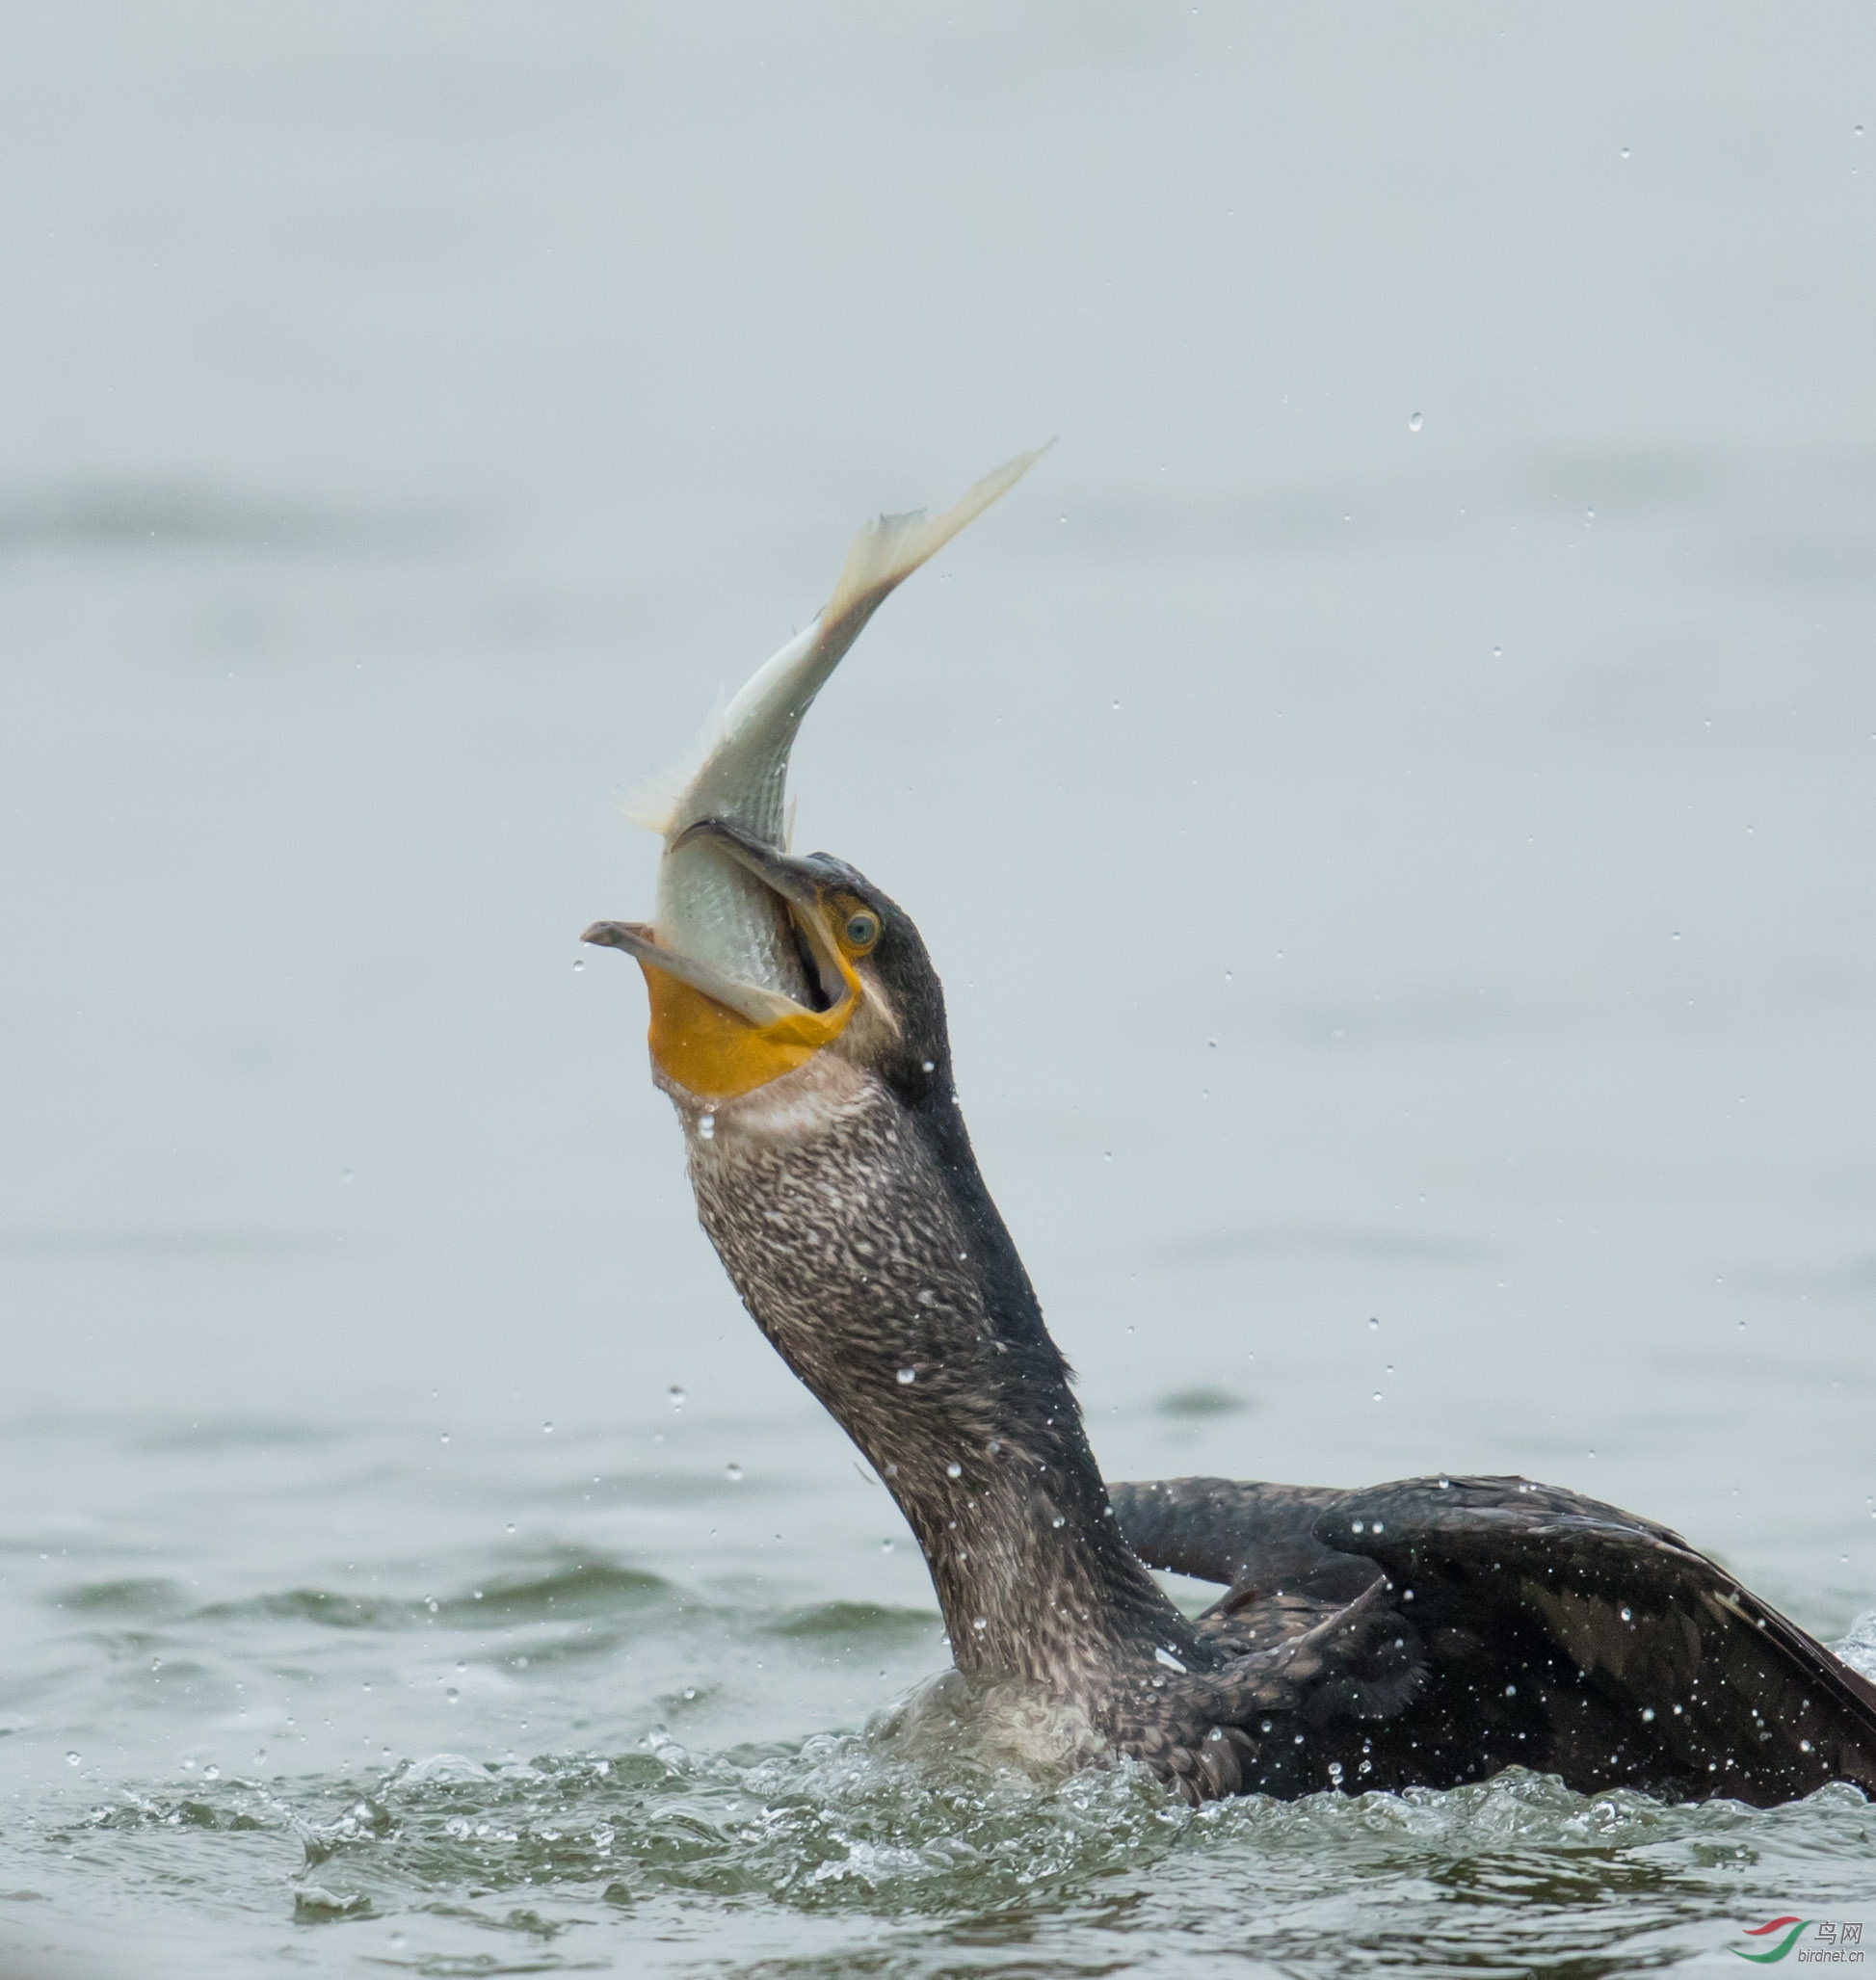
<point x="1464" y="922"/>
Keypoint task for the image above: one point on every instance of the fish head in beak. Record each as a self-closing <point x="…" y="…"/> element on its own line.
<point x="870" y="995"/>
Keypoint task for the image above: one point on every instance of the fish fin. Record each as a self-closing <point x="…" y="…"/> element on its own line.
<point x="653" y="804"/>
<point x="886" y="552"/>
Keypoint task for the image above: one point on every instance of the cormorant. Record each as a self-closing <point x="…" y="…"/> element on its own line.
<point x="1426" y="1632"/>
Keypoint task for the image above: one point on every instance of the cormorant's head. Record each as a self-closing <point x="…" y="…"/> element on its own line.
<point x="866" y="990"/>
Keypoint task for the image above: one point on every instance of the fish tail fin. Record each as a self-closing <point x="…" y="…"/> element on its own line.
<point x="886" y="552"/>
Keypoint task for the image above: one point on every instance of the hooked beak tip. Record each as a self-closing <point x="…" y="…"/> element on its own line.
<point x="606" y="935"/>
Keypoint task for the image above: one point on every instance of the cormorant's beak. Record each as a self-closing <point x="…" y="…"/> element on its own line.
<point x="731" y="1003"/>
<point x="717" y="1036"/>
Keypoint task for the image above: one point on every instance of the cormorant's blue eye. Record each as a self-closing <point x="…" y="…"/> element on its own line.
<point x="862" y="931"/>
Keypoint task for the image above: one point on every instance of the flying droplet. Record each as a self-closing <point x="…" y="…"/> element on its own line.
<point x="733" y="1472"/>
<point x="579" y="964"/>
<point x="72" y="1760"/>
<point x="1377" y="1395"/>
<point x="928" y="1064"/>
<point x="885" y="1546"/>
<point x="1627" y="1615"/>
<point x="546" y="1430"/>
<point x="1625" y="150"/>
<point x="980" y="1623"/>
<point x="1373" y="1323"/>
<point x="906" y="1377"/>
<point x="677" y="1395"/>
<point x="1060" y="1520"/>
<point x="706" y="1128"/>
<point x="954" y="1469"/>
<point x="1498" y="652"/>
<point x="1413" y="423"/>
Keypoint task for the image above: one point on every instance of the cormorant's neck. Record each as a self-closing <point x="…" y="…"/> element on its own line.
<point x="858" y="1231"/>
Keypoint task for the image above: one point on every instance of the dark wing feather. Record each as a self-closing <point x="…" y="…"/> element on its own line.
<point x="1260" y="1540"/>
<point x="1650" y="1664"/>
<point x="1492" y="1621"/>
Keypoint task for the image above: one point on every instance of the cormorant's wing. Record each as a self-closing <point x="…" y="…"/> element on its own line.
<point x="1542" y="1630"/>
<point x="1250" y="1535"/>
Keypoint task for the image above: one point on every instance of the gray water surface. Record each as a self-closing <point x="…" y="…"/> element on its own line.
<point x="1391" y="797"/>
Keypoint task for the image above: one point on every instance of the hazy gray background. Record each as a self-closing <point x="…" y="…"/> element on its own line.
<point x="1390" y="794"/>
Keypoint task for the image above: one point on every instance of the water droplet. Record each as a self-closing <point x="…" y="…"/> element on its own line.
<point x="1413" y="423"/>
<point x="735" y="1473"/>
<point x="1511" y="1691"/>
<point x="676" y="1395"/>
<point x="887" y="1546"/>
<point x="1627" y="1615"/>
<point x="579" y="964"/>
<point x="980" y="1623"/>
<point x="452" y="1693"/>
<point x="511" y="1525"/>
<point x="72" y="1760"/>
<point x="954" y="1470"/>
<point x="1498" y="652"/>
<point x="1060" y="1520"/>
<point x="1373" y="1323"/>
<point x="1377" y="1395"/>
<point x="156" y="1663"/>
<point x="1588" y="516"/>
<point x="706" y="1128"/>
<point x="444" y="1439"/>
<point x="345" y="1176"/>
<point x="546" y="1430"/>
<point x="1625" y="150"/>
<point x="1117" y="707"/>
<point x="906" y="1377"/>
<point x="1648" y="1715"/>
<point x="928" y="1064"/>
<point x="188" y="1766"/>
